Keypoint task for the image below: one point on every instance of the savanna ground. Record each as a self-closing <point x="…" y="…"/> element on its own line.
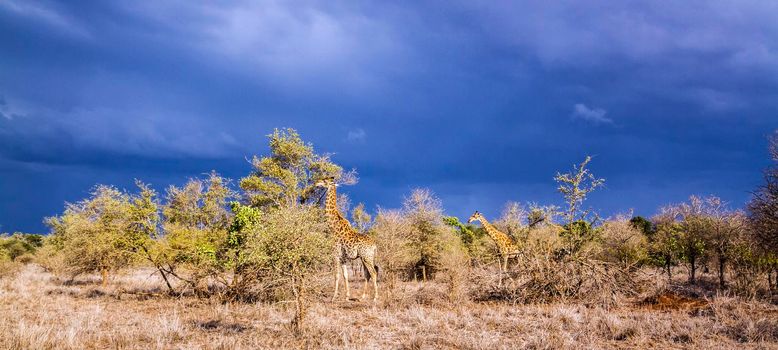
<point x="40" y="311"/>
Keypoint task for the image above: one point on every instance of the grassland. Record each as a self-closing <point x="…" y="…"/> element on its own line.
<point x="40" y="311"/>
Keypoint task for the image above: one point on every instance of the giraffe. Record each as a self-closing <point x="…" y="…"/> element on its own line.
<point x="507" y="247"/>
<point x="349" y="244"/>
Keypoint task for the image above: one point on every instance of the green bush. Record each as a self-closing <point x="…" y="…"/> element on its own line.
<point x="20" y="245"/>
<point x="92" y="235"/>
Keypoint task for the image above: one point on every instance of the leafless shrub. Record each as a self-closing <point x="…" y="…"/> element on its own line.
<point x="544" y="275"/>
<point x="392" y="233"/>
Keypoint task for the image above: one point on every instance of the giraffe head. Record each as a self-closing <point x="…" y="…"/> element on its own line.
<point x="326" y="182"/>
<point x="477" y="216"/>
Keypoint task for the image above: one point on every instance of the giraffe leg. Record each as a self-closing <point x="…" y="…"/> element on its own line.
<point x="500" y="263"/>
<point x="337" y="281"/>
<point x="371" y="275"/>
<point x="345" y="280"/>
<point x="367" y="278"/>
<point x="374" y="277"/>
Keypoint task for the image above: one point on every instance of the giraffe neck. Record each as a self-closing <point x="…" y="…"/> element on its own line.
<point x="500" y="238"/>
<point x="339" y="225"/>
<point x="331" y="204"/>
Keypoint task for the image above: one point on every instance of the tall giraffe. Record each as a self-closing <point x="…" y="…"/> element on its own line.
<point x="506" y="246"/>
<point x="349" y="244"/>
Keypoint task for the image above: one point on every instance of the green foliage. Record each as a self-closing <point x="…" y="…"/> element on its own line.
<point x="287" y="241"/>
<point x="286" y="176"/>
<point x="466" y="232"/>
<point x="92" y="235"/>
<point x="644" y="225"/>
<point x="196" y="224"/>
<point x="19" y="244"/>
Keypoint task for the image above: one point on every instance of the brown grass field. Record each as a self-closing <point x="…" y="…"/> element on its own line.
<point x="39" y="311"/>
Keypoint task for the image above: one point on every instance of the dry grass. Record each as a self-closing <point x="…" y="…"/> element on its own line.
<point x="38" y="311"/>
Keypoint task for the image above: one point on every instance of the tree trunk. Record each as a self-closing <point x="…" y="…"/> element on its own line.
<point x="298" y="289"/>
<point x="722" y="283"/>
<point x="167" y="282"/>
<point x="776" y="279"/>
<point x="692" y="269"/>
<point x="669" y="271"/>
<point x="104" y="276"/>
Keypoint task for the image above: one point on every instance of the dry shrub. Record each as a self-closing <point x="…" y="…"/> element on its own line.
<point x="394" y="255"/>
<point x="8" y="267"/>
<point x="49" y="258"/>
<point x="416" y="238"/>
<point x="545" y="274"/>
<point x="483" y="251"/>
<point x="623" y="243"/>
<point x="744" y="321"/>
<point x="454" y="269"/>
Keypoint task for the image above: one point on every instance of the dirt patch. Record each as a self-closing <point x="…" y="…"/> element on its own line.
<point x="673" y="301"/>
<point x="218" y="325"/>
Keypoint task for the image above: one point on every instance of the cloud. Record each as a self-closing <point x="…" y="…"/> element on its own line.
<point x="4" y="108"/>
<point x="594" y="115"/>
<point x="290" y="43"/>
<point x="46" y="14"/>
<point x="356" y="135"/>
<point x="95" y="136"/>
<point x="716" y="101"/>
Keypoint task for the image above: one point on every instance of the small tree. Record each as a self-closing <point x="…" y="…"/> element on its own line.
<point x="91" y="234"/>
<point x="196" y="222"/>
<point x="286" y="246"/>
<point x="20" y="246"/>
<point x="699" y="226"/>
<point x="392" y="232"/>
<point x="429" y="235"/>
<point x="575" y="187"/>
<point x="624" y="244"/>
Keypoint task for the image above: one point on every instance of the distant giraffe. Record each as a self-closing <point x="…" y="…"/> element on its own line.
<point x="507" y="247"/>
<point x="349" y="244"/>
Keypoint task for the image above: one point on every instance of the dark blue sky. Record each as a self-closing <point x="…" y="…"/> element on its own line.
<point x="482" y="103"/>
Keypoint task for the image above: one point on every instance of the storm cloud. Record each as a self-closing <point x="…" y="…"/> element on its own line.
<point x="471" y="100"/>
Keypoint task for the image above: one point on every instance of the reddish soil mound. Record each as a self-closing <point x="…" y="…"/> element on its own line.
<point x="672" y="301"/>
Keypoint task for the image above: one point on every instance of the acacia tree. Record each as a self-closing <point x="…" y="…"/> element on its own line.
<point x="143" y="228"/>
<point x="763" y="214"/>
<point x="700" y="228"/>
<point x="278" y="238"/>
<point x="91" y="235"/>
<point x="575" y="186"/>
<point x="664" y="247"/>
<point x="195" y="221"/>
<point x="287" y="175"/>
<point x="725" y="233"/>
